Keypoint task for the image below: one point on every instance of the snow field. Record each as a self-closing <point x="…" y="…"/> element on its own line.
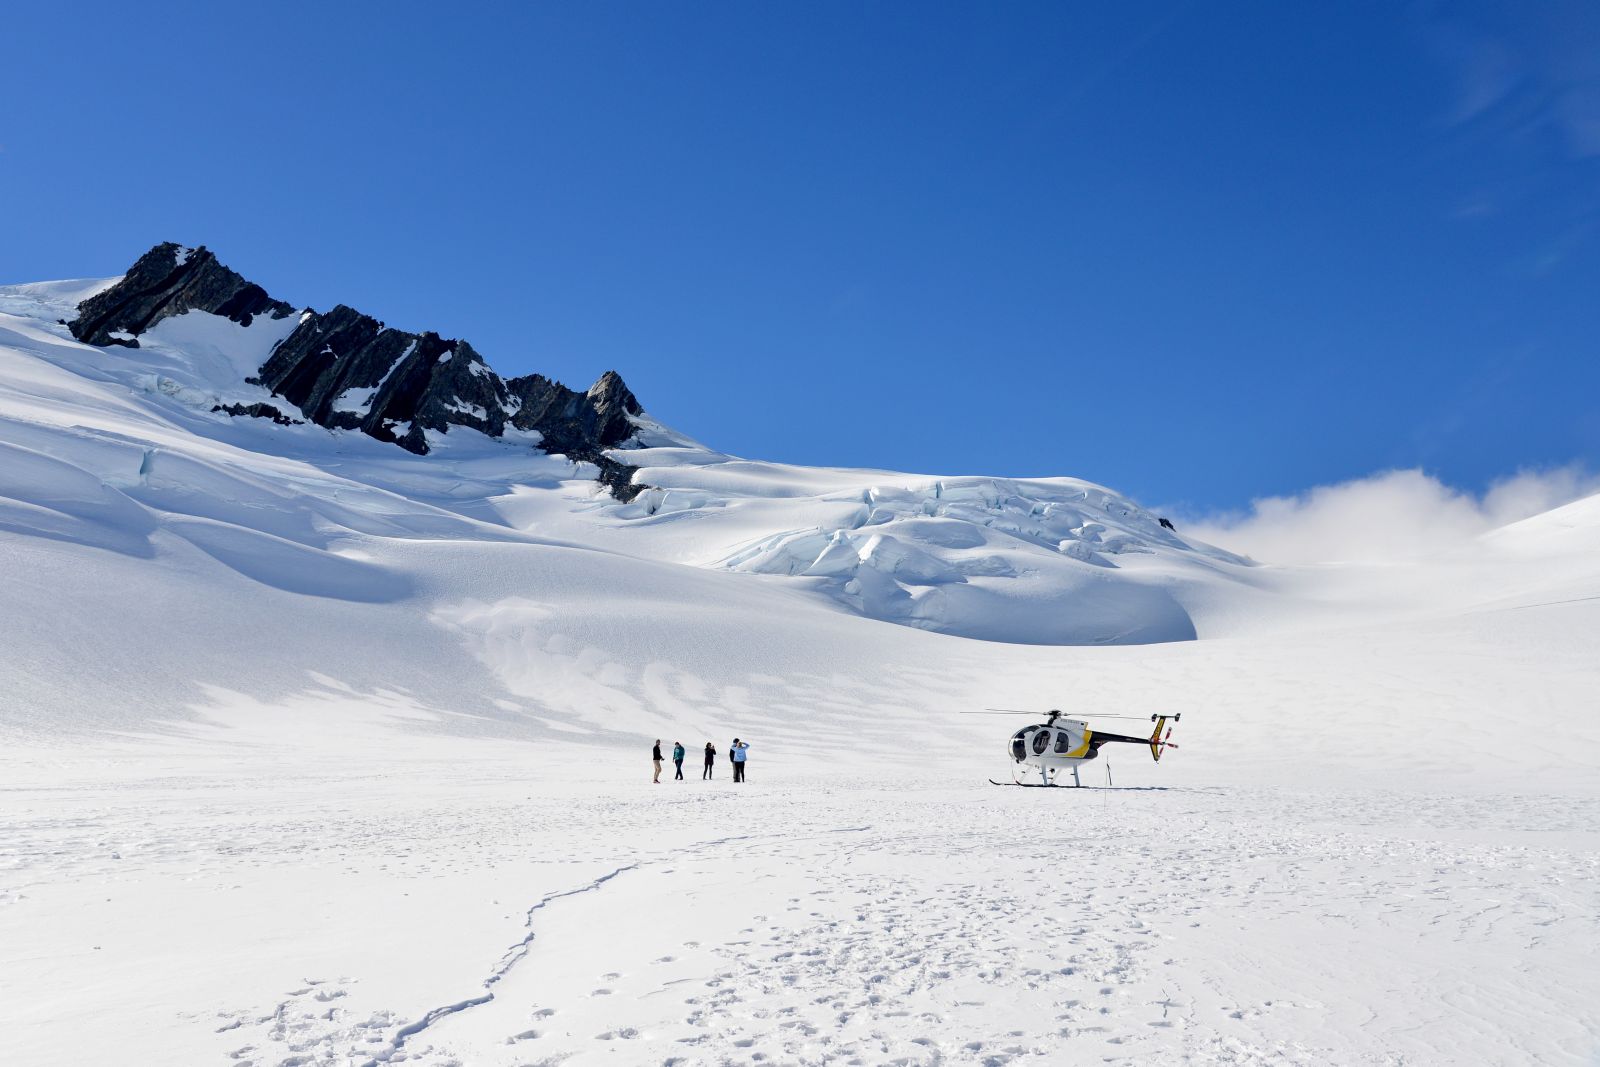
<point x="215" y="918"/>
<point x="316" y="752"/>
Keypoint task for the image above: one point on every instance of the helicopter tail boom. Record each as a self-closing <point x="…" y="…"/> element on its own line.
<point x="1158" y="740"/>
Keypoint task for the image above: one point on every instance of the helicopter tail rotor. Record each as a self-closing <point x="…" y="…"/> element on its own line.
<point x="1158" y="740"/>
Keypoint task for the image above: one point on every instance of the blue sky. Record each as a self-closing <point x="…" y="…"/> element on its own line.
<point x="1198" y="252"/>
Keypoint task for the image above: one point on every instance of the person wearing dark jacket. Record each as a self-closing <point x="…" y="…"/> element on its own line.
<point x="677" y="759"/>
<point x="711" y="757"/>
<point x="655" y="755"/>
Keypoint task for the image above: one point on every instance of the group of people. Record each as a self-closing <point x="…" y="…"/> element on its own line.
<point x="737" y="755"/>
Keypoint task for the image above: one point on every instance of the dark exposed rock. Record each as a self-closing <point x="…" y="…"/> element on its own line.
<point x="259" y="411"/>
<point x="168" y="280"/>
<point x="421" y="381"/>
<point x="348" y="371"/>
<point x="569" y="419"/>
<point x="581" y="425"/>
<point x="618" y="477"/>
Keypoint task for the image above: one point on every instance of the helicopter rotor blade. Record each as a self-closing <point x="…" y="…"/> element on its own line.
<point x="1035" y="711"/>
<point x="1129" y="718"/>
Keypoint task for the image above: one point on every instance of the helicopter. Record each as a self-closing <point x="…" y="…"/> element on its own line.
<point x="1060" y="742"/>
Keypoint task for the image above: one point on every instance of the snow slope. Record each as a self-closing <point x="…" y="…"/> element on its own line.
<point x="316" y="751"/>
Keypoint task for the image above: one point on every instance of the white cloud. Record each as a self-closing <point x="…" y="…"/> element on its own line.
<point x="1520" y="68"/>
<point x="1394" y="515"/>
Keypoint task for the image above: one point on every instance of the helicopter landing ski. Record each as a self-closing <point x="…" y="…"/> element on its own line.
<point x="1051" y="783"/>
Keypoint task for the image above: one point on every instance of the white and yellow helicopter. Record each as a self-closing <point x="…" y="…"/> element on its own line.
<point x="1060" y="743"/>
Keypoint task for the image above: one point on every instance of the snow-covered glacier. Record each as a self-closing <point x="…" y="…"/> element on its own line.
<point x="328" y="694"/>
<point x="1042" y="561"/>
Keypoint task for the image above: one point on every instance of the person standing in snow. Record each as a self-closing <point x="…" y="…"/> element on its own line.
<point x="677" y="759"/>
<point x="711" y="757"/>
<point x="737" y="755"/>
<point x="655" y="755"/>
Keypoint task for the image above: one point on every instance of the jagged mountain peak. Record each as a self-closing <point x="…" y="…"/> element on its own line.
<point x="170" y="280"/>
<point x="343" y="369"/>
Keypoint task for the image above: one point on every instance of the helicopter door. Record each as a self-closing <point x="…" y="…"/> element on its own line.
<point x="1041" y="741"/>
<point x="1063" y="742"/>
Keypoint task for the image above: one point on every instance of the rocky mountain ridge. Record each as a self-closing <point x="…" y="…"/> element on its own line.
<point x="345" y="370"/>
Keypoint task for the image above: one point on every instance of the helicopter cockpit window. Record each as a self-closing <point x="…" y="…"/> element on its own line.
<point x="1041" y="741"/>
<point x="1063" y="741"/>
<point x="1019" y="747"/>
